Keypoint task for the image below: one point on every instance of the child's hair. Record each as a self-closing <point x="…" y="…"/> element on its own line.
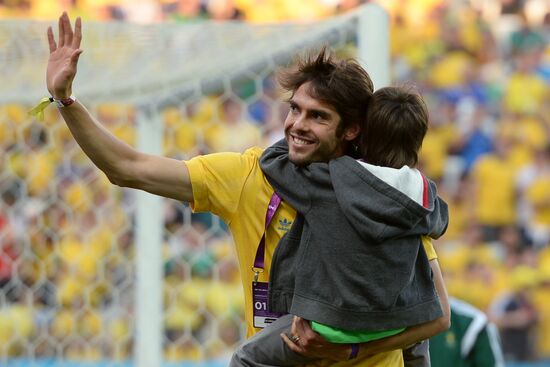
<point x="396" y="123"/>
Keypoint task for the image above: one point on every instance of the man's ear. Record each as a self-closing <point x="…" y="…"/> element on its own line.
<point x="352" y="132"/>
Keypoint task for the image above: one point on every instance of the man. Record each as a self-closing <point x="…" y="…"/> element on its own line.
<point x="471" y="341"/>
<point x="327" y="108"/>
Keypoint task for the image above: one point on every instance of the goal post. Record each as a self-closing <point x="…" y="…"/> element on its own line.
<point x="113" y="274"/>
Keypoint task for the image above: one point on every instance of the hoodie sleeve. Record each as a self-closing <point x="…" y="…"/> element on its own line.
<point x="435" y="223"/>
<point x="438" y="220"/>
<point x="294" y="184"/>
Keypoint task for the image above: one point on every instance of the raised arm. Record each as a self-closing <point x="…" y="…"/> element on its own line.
<point x="123" y="165"/>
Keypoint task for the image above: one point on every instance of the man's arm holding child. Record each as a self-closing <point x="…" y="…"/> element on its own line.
<point x="313" y="345"/>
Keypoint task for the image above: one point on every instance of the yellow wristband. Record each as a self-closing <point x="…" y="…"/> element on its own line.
<point x="38" y="110"/>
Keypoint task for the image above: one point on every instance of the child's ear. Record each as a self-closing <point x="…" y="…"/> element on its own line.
<point x="352" y="132"/>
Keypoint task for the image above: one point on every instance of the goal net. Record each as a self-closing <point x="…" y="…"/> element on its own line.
<point x="90" y="272"/>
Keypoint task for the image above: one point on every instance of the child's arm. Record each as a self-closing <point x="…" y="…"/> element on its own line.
<point x="420" y="332"/>
<point x="313" y="345"/>
<point x="295" y="184"/>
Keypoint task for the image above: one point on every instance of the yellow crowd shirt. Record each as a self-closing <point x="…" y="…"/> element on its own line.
<point x="538" y="195"/>
<point x="495" y="182"/>
<point x="435" y="146"/>
<point x="524" y="93"/>
<point x="233" y="187"/>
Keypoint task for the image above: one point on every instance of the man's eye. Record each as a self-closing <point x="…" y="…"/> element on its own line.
<point x="293" y="108"/>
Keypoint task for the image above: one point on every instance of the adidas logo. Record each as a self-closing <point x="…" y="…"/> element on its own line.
<point x="284" y="224"/>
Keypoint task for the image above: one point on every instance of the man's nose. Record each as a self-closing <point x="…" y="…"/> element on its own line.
<point x="301" y="123"/>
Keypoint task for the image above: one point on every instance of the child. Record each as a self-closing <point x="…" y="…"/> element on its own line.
<point x="358" y="270"/>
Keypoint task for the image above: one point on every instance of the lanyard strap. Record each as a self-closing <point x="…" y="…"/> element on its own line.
<point x="260" y="253"/>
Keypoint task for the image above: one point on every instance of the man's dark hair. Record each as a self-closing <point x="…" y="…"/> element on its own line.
<point x="397" y="121"/>
<point x="343" y="84"/>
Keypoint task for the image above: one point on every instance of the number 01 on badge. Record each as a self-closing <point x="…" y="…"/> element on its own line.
<point x="262" y="317"/>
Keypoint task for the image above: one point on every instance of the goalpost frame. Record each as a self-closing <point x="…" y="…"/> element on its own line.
<point x="373" y="54"/>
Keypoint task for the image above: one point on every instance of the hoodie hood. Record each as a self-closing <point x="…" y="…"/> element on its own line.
<point x="379" y="211"/>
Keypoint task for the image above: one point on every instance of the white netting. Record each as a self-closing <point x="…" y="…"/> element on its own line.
<point x="67" y="236"/>
<point x="139" y="63"/>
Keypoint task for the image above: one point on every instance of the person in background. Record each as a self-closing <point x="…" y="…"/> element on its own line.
<point x="515" y="315"/>
<point x="471" y="341"/>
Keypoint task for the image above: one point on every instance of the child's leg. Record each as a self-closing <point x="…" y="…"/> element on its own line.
<point x="267" y="348"/>
<point x="417" y="355"/>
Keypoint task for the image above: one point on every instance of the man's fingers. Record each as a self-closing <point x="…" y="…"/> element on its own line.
<point x="61" y="40"/>
<point x="293" y="346"/>
<point x="300" y="324"/>
<point x="77" y="37"/>
<point x="293" y="329"/>
<point x="305" y="328"/>
<point x="68" y="29"/>
<point x="51" y="40"/>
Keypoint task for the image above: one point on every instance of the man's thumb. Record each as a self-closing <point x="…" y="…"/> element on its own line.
<point x="76" y="54"/>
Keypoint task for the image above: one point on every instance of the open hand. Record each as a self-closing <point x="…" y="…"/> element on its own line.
<point x="63" y="57"/>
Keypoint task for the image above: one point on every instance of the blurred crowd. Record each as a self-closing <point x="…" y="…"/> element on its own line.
<point x="67" y="235"/>
<point x="147" y="11"/>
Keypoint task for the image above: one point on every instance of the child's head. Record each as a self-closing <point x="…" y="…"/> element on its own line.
<point x="397" y="121"/>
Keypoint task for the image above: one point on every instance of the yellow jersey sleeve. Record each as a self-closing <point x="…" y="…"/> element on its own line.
<point x="429" y="247"/>
<point x="218" y="180"/>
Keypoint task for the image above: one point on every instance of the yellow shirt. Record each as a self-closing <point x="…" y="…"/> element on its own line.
<point x="525" y="93"/>
<point x="538" y="195"/>
<point x="435" y="146"/>
<point x="233" y="186"/>
<point x="449" y="71"/>
<point x="495" y="186"/>
<point x="541" y="297"/>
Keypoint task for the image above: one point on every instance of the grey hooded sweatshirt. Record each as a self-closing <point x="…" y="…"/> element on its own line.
<point x="353" y="258"/>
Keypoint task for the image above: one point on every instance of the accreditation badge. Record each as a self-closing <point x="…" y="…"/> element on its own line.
<point x="262" y="317"/>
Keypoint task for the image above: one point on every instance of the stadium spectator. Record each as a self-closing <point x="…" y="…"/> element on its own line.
<point x="515" y="315"/>
<point x="223" y="10"/>
<point x="541" y="299"/>
<point x="185" y="10"/>
<point x="538" y="199"/>
<point x="525" y="38"/>
<point x="493" y="189"/>
<point x="474" y="140"/>
<point x="525" y="91"/>
<point x="439" y="141"/>
<point x="7" y="255"/>
<point x="233" y="132"/>
<point x="472" y="340"/>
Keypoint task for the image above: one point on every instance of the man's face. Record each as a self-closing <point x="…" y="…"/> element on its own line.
<point x="310" y="129"/>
